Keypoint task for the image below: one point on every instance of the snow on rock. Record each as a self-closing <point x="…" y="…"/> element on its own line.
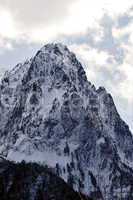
<point x="101" y="141"/>
<point x="50" y="113"/>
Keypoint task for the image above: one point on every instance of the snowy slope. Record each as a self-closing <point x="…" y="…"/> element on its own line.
<point x="54" y="115"/>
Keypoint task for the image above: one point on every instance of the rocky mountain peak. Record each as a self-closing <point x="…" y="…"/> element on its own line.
<point x="50" y="113"/>
<point x="57" y="48"/>
<point x="54" y="62"/>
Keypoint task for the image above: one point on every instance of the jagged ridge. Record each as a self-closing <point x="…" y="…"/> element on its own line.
<point x="51" y="113"/>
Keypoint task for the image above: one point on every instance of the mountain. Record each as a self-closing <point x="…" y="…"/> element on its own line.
<point x="30" y="181"/>
<point x="51" y="113"/>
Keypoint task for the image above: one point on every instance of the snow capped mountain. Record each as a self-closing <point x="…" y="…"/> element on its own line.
<point x="51" y="113"/>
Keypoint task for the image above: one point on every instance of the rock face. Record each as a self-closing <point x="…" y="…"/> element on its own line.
<point x="49" y="112"/>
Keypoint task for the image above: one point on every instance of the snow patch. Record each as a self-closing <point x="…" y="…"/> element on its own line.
<point x="101" y="141"/>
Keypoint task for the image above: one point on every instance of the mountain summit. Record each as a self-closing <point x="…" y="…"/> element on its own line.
<point x="51" y="113"/>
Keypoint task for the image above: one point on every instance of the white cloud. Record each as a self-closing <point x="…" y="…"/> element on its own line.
<point x="7" y="25"/>
<point x="47" y="18"/>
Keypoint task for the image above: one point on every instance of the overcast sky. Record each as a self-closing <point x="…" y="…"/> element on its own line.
<point x="100" y="32"/>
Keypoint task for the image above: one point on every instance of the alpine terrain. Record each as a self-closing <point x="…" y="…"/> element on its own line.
<point x="51" y="114"/>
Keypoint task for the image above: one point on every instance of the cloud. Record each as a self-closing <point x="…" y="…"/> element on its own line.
<point x="102" y="38"/>
<point x="124" y="20"/>
<point x="37" y="13"/>
<point x="33" y="21"/>
<point x="43" y="20"/>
